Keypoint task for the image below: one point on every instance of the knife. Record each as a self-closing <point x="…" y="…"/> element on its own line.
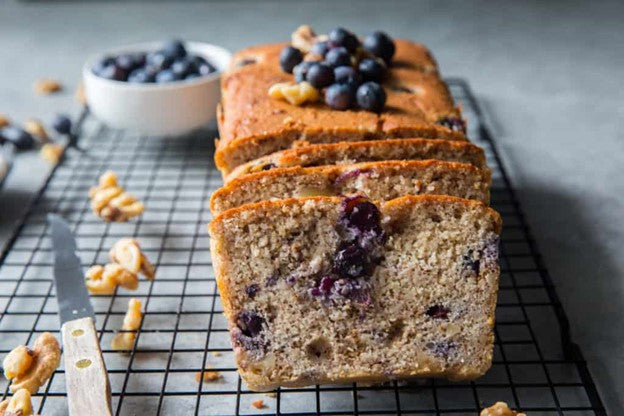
<point x="88" y="388"/>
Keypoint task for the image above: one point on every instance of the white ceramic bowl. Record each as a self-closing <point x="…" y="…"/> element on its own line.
<point x="170" y="109"/>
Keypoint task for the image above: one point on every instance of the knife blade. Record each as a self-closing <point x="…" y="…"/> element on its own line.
<point x="86" y="379"/>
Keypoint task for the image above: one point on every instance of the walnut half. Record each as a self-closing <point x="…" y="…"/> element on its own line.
<point x="127" y="253"/>
<point x="18" y="405"/>
<point x="46" y="356"/>
<point x="110" y="201"/>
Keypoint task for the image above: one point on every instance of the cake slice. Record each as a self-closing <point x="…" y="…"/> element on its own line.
<point x="379" y="181"/>
<point x="343" y="153"/>
<point x="337" y="290"/>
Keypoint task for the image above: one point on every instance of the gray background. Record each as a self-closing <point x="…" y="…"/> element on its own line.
<point x="549" y="74"/>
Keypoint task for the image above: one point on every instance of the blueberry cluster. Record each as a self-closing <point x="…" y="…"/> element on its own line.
<point x="170" y="63"/>
<point x="350" y="71"/>
<point x="357" y="255"/>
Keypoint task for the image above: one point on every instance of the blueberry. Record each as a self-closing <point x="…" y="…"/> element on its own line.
<point x="347" y="75"/>
<point x="380" y="45"/>
<point x="166" y="75"/>
<point x="372" y="70"/>
<point x="113" y="72"/>
<point x="125" y="62"/>
<point x="174" y="48"/>
<point x="438" y="311"/>
<point x="300" y="71"/>
<point x="453" y="123"/>
<point x="139" y="59"/>
<point x="320" y="48"/>
<point x="252" y="290"/>
<point x="289" y="58"/>
<point x="192" y="75"/>
<point x="206" y="68"/>
<point x="181" y="68"/>
<point x="158" y="60"/>
<point x="62" y="124"/>
<point x="338" y="56"/>
<point x="339" y="96"/>
<point x="362" y="215"/>
<point x="320" y="75"/>
<point x="101" y="64"/>
<point x="371" y="96"/>
<point x="142" y="75"/>
<point x="19" y="137"/>
<point x="441" y="349"/>
<point x="268" y="166"/>
<point x="250" y="323"/>
<point x="352" y="261"/>
<point x="470" y="265"/>
<point x="342" y="37"/>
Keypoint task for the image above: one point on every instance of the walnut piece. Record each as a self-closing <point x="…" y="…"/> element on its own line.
<point x="47" y="86"/>
<point x="46" y="359"/>
<point x="35" y="127"/>
<point x="4" y="120"/>
<point x="17" y="361"/>
<point x="500" y="409"/>
<point x="111" y="202"/>
<point x="18" y="405"/>
<point x="52" y="152"/>
<point x="104" y="280"/>
<point x="127" y="253"/>
<point x="296" y="94"/>
<point x="131" y="323"/>
<point x="303" y="38"/>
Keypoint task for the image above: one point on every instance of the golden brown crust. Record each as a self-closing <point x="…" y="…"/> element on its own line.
<point x="252" y="124"/>
<point x="384" y="178"/>
<point x="366" y="151"/>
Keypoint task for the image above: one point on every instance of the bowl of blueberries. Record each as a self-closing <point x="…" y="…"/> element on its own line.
<point x="158" y="89"/>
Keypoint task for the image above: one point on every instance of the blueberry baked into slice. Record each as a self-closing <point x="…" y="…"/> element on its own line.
<point x="336" y="290"/>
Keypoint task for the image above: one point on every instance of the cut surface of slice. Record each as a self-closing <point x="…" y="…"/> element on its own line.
<point x="344" y="153"/>
<point x="337" y="290"/>
<point x="379" y="181"/>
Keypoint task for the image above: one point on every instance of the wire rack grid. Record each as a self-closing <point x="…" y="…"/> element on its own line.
<point x="183" y="331"/>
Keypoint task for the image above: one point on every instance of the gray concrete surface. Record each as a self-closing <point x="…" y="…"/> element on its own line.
<point x="550" y="74"/>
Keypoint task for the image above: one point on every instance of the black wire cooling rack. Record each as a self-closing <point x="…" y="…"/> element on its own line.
<point x="536" y="366"/>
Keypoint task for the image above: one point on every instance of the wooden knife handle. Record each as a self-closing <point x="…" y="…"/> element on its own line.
<point x="88" y="388"/>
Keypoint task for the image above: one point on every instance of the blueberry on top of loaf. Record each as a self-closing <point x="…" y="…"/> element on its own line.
<point x="345" y="290"/>
<point x="380" y="181"/>
<point x="343" y="153"/>
<point x="264" y="110"/>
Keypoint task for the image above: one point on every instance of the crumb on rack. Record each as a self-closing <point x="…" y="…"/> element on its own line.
<point x="271" y="394"/>
<point x="47" y="86"/>
<point x="258" y="404"/>
<point x="216" y="353"/>
<point x="208" y="375"/>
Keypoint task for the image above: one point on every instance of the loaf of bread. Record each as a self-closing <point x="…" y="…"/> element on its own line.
<point x="379" y="181"/>
<point x="343" y="153"/>
<point x="252" y="124"/>
<point x="336" y="290"/>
